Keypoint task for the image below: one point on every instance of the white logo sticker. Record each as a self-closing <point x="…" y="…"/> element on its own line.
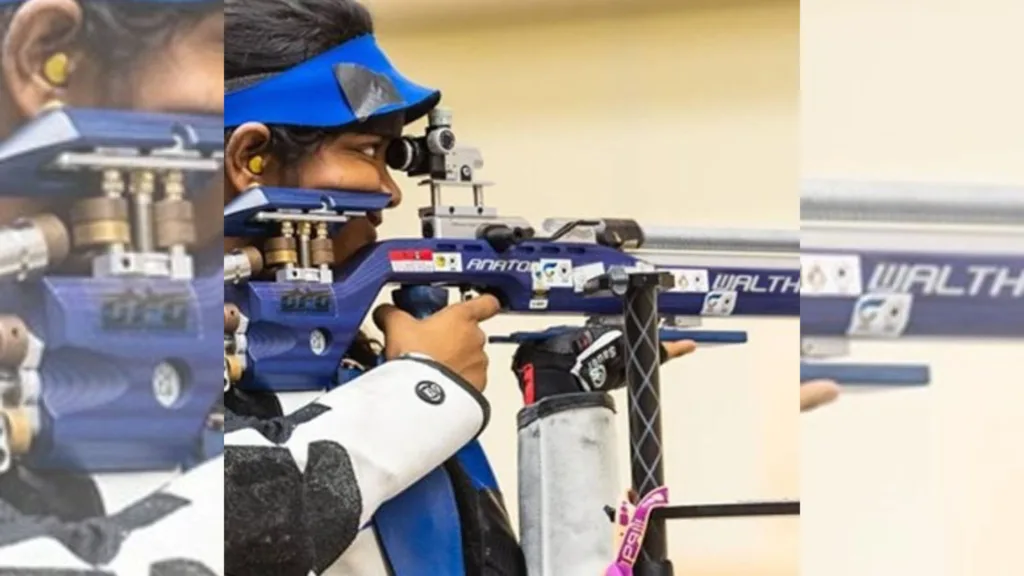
<point x="881" y="315"/>
<point x="830" y="275"/>
<point x="689" y="280"/>
<point x="447" y="262"/>
<point x="719" y="303"/>
<point x="552" y="273"/>
<point x="539" y="304"/>
<point x="582" y="274"/>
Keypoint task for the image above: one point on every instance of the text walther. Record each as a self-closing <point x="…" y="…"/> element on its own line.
<point x="946" y="280"/>
<point x="757" y="283"/>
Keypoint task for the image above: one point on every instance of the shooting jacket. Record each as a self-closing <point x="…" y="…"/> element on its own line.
<point x="301" y="490"/>
<point x="173" y="531"/>
<point x="295" y="494"/>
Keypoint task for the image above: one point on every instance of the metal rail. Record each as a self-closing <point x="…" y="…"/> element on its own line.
<point x="833" y="200"/>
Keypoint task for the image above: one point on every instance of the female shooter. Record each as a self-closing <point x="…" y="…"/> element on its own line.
<point x="145" y="55"/>
<point x="327" y="488"/>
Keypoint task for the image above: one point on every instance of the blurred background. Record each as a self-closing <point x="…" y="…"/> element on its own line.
<point x="929" y="481"/>
<point x="675" y="113"/>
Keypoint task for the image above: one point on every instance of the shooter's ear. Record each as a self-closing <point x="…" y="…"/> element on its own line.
<point x="246" y="160"/>
<point x="38" y="56"/>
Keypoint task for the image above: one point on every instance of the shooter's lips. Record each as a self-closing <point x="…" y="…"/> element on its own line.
<point x="375" y="218"/>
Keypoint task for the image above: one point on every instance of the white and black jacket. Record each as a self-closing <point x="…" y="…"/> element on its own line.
<point x="294" y="495"/>
<point x="300" y="490"/>
<point x="175" y="530"/>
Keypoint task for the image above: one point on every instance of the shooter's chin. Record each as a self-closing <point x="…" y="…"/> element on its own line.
<point x="355" y="235"/>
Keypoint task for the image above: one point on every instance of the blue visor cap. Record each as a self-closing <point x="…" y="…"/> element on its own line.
<point x="347" y="84"/>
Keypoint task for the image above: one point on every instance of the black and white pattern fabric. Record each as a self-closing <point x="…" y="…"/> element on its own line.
<point x="299" y="490"/>
<point x="173" y="531"/>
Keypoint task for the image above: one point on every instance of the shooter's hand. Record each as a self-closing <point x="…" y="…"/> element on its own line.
<point x="584" y="360"/>
<point x="817" y="393"/>
<point x="451" y="337"/>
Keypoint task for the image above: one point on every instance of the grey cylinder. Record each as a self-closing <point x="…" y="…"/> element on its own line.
<point x="905" y="202"/>
<point x="31" y="245"/>
<point x="568" y="474"/>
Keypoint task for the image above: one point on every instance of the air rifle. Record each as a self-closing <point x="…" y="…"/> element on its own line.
<point x="302" y="314"/>
<point x="106" y="362"/>
<point x="291" y="314"/>
<point x="899" y="261"/>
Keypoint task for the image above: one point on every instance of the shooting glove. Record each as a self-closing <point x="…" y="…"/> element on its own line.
<point x="591" y="359"/>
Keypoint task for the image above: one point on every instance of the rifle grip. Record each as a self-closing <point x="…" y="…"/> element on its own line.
<point x="420" y="301"/>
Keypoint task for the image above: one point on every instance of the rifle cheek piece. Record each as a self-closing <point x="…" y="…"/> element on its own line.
<point x="108" y="299"/>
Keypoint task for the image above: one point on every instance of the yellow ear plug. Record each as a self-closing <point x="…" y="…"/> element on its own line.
<point x="256" y="165"/>
<point x="55" y="69"/>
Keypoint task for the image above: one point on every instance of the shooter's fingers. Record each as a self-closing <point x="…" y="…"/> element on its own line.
<point x="478" y="309"/>
<point x="678" y="349"/>
<point x="817" y="393"/>
<point x="388" y="317"/>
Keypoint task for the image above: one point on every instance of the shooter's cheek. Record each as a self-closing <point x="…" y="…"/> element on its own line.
<point x="347" y="171"/>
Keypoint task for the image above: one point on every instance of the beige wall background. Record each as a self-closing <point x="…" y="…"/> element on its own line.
<point x="927" y="482"/>
<point x="682" y="114"/>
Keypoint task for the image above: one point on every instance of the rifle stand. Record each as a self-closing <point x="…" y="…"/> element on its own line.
<point x="639" y="292"/>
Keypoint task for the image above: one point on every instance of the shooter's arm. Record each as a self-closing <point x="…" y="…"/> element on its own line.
<point x="338" y="460"/>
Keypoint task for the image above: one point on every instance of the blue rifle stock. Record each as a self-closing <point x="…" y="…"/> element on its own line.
<point x="105" y="327"/>
<point x="894" y="262"/>
<point x="298" y="331"/>
<point x="291" y="314"/>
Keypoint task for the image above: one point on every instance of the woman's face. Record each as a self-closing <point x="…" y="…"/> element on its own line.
<point x="352" y="161"/>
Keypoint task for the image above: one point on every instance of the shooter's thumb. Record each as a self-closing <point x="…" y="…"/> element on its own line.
<point x="817" y="393"/>
<point x="388" y="317"/>
<point x="480" y="308"/>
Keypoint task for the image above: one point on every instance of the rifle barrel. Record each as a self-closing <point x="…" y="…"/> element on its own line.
<point x="917" y="203"/>
<point x="721" y="240"/>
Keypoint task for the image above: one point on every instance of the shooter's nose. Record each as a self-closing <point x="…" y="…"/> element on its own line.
<point x="391" y="187"/>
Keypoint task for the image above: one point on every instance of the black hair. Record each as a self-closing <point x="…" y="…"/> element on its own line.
<point x="116" y="34"/>
<point x="265" y="37"/>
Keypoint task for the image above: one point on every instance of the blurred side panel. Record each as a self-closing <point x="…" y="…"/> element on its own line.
<point x="110" y="287"/>
<point x="914" y="104"/>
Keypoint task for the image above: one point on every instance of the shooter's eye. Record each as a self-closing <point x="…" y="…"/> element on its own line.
<point x="370" y="150"/>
